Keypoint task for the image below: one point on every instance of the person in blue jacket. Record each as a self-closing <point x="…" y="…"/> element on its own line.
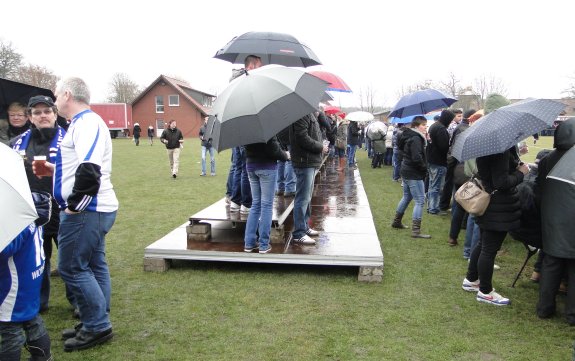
<point x="21" y="270"/>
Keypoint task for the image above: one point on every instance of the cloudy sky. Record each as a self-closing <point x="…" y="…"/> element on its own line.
<point x="384" y="45"/>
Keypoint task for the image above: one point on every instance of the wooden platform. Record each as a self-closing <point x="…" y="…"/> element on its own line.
<point x="340" y="210"/>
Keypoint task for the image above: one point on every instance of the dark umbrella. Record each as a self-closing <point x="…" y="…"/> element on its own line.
<point x="503" y="128"/>
<point x="421" y="102"/>
<point x="272" y="48"/>
<point x="564" y="171"/>
<point x="258" y="105"/>
<point x="12" y="91"/>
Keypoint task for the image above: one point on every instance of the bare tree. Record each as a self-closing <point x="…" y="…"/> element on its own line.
<point x="37" y="75"/>
<point x="10" y="61"/>
<point x="570" y="92"/>
<point x="425" y="84"/>
<point x="122" y="89"/>
<point x="488" y="84"/>
<point x="451" y="86"/>
<point x="367" y="100"/>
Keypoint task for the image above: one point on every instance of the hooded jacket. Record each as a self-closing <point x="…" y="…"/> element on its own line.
<point x="306" y="143"/>
<point x="411" y="145"/>
<point x="557" y="197"/>
<point x="439" y="140"/>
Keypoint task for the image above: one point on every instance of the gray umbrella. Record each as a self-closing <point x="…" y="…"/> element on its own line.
<point x="564" y="170"/>
<point x="258" y="105"/>
<point x="501" y="129"/>
<point x="272" y="48"/>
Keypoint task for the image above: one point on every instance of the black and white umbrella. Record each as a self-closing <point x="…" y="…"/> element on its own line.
<point x="258" y="105"/>
<point x="564" y="170"/>
<point x="272" y="48"/>
<point x="503" y="128"/>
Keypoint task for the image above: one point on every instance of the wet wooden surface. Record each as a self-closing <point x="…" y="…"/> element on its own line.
<point x="340" y="211"/>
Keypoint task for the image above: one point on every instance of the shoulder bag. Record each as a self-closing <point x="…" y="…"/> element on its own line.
<point x="472" y="197"/>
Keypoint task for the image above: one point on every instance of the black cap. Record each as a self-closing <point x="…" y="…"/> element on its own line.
<point x="40" y="99"/>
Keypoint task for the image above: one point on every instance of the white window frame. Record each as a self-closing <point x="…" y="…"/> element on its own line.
<point x="177" y="104"/>
<point x="159" y="107"/>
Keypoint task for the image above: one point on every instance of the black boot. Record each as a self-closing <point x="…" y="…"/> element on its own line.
<point x="397" y="221"/>
<point x="416" y="230"/>
<point x="40" y="349"/>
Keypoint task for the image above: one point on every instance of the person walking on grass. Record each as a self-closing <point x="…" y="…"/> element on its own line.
<point x="411" y="146"/>
<point x="151" y="135"/>
<point x="173" y="139"/>
<point x="207" y="148"/>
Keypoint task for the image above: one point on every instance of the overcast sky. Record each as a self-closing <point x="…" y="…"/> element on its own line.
<point x="385" y="45"/>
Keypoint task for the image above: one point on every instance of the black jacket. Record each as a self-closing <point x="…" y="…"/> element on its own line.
<point x="269" y="152"/>
<point x="173" y="137"/>
<point x="137" y="131"/>
<point x="411" y="146"/>
<point x="353" y="133"/>
<point x="206" y="142"/>
<point x="306" y="143"/>
<point x="558" y="198"/>
<point x="438" y="144"/>
<point x="499" y="172"/>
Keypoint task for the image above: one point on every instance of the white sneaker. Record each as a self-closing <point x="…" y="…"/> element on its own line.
<point x="493" y="298"/>
<point x="304" y="240"/>
<point x="244" y="209"/>
<point x="312" y="232"/>
<point x="234" y="207"/>
<point x="496" y="267"/>
<point x="470" y="286"/>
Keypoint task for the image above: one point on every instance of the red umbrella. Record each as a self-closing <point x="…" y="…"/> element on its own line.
<point x="331" y="109"/>
<point x="335" y="82"/>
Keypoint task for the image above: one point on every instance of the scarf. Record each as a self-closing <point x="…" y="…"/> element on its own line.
<point x="22" y="142"/>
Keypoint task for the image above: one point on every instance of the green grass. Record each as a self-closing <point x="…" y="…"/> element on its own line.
<point x="228" y="311"/>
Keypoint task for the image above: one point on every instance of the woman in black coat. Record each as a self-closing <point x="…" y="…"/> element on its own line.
<point x="500" y="174"/>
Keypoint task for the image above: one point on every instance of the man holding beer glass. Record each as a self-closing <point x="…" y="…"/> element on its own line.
<point x="37" y="145"/>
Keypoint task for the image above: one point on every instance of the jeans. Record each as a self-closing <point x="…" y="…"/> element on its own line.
<point x="263" y="183"/>
<point x="396" y="164"/>
<point x="369" y="148"/>
<point x="436" y="180"/>
<point x="285" y="177"/>
<point x="82" y="265"/>
<point x="174" y="158"/>
<point x="13" y="335"/>
<point x="232" y="172"/>
<point x="302" y="200"/>
<point x="412" y="189"/>
<point x="472" y="236"/>
<point x="387" y="159"/>
<point x="483" y="258"/>
<point x="241" y="193"/>
<point x="351" y="155"/>
<point x="212" y="160"/>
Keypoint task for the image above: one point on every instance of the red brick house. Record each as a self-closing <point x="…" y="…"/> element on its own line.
<point x="168" y="98"/>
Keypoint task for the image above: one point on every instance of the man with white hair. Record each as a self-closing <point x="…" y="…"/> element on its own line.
<point x="88" y="206"/>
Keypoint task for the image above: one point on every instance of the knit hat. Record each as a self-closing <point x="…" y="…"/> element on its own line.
<point x="469" y="113"/>
<point x="446" y="117"/>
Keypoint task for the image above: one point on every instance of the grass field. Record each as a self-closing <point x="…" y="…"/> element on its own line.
<point x="229" y="311"/>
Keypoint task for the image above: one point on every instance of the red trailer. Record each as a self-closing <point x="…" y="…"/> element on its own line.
<point x="117" y="116"/>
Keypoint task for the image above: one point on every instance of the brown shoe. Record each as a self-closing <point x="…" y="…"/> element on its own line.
<point x="452" y="242"/>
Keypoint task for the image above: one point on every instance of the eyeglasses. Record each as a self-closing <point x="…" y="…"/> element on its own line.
<point x="47" y="111"/>
<point x="16" y="115"/>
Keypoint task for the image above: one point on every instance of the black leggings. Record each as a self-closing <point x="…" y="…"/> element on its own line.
<point x="483" y="258"/>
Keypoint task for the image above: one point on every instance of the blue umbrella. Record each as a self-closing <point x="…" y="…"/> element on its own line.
<point x="503" y="128"/>
<point x="421" y="102"/>
<point x="409" y="118"/>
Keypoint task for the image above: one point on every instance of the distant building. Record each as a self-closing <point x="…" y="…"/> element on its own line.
<point x="168" y="98"/>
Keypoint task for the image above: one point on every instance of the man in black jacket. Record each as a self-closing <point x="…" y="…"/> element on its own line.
<point x="173" y="139"/>
<point x="307" y="150"/>
<point x="437" y="159"/>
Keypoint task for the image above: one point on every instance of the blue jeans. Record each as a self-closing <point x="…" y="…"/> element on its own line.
<point x="241" y="193"/>
<point x="232" y="172"/>
<point x="13" y="335"/>
<point x="263" y="183"/>
<point x="472" y="236"/>
<point x="351" y="155"/>
<point x="82" y="265"/>
<point x="285" y="177"/>
<point x="436" y="182"/>
<point x="212" y="160"/>
<point x="412" y="189"/>
<point x="302" y="200"/>
<point x="396" y="164"/>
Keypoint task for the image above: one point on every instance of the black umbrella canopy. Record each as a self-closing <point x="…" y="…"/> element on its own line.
<point x="12" y="91"/>
<point x="272" y="48"/>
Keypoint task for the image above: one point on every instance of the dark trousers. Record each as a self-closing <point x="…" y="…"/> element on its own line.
<point x="447" y="192"/>
<point x="552" y="272"/>
<point x="483" y="258"/>
<point x="45" y="288"/>
<point x="457" y="214"/>
<point x="377" y="160"/>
